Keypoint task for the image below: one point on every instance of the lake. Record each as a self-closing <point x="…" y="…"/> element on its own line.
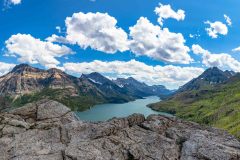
<point x="105" y="112"/>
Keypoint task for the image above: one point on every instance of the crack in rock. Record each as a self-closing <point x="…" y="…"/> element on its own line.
<point x="49" y="130"/>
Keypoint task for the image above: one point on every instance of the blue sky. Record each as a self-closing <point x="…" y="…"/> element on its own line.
<point x="172" y="64"/>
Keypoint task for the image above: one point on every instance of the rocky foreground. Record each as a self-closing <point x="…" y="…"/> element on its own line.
<point x="47" y="130"/>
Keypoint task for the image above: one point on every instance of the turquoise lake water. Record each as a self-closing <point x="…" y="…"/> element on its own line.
<point x="105" y="112"/>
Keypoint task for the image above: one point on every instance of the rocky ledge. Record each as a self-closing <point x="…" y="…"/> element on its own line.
<point x="49" y="130"/>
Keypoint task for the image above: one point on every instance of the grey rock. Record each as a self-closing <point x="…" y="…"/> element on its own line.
<point x="49" y="130"/>
<point x="47" y="109"/>
<point x="26" y="112"/>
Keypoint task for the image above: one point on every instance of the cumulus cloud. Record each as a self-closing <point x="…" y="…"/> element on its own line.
<point x="31" y="50"/>
<point x="236" y="49"/>
<point x="166" y="11"/>
<point x="96" y="30"/>
<point x="145" y="39"/>
<point x="216" y="28"/>
<point x="222" y="60"/>
<point x="5" y="67"/>
<point x="171" y="76"/>
<point x="58" y="39"/>
<point x="228" y="20"/>
<point x="160" y="44"/>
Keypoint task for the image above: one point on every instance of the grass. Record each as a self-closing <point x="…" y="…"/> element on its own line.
<point x="217" y="106"/>
<point x="78" y="102"/>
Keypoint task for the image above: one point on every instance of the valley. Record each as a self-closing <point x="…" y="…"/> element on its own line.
<point x="119" y="80"/>
<point x="26" y="84"/>
<point x="210" y="99"/>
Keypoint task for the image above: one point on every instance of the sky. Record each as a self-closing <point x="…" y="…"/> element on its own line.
<point x="165" y="42"/>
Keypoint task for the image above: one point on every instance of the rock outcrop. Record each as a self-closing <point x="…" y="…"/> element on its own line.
<point x="49" y="130"/>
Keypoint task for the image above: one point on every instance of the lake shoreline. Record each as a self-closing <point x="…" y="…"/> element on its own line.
<point x="104" y="112"/>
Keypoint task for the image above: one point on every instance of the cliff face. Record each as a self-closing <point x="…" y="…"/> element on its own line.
<point x="49" y="130"/>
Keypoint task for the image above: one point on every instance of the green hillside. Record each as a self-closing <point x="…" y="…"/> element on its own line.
<point x="79" y="103"/>
<point x="218" y="106"/>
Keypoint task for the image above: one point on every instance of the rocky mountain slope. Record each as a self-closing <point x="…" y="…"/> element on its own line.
<point x="49" y="130"/>
<point x="26" y="84"/>
<point x="207" y="79"/>
<point x="212" y="99"/>
<point x="24" y="79"/>
<point x="110" y="89"/>
<point x="135" y="87"/>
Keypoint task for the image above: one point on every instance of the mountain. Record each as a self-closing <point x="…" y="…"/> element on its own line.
<point x="215" y="101"/>
<point x="229" y="74"/>
<point x="137" y="88"/>
<point x="24" y="79"/>
<point x="208" y="78"/>
<point x="97" y="78"/>
<point x="25" y="84"/>
<point x="111" y="90"/>
<point x="161" y="90"/>
<point x="133" y="86"/>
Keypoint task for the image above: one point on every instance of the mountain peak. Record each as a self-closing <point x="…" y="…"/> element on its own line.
<point x="131" y="78"/>
<point x="97" y="78"/>
<point x="23" y="67"/>
<point x="95" y="74"/>
<point x="213" y="69"/>
<point x="209" y="77"/>
<point x="54" y="70"/>
<point x="214" y="75"/>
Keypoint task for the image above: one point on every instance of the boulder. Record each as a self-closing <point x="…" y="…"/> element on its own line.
<point x="49" y="130"/>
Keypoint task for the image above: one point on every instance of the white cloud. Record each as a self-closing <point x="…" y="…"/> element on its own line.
<point x="196" y="36"/>
<point x="58" y="39"/>
<point x="236" y="49"/>
<point x="171" y="76"/>
<point x="15" y="2"/>
<point x="96" y="30"/>
<point x="31" y="50"/>
<point x="165" y="12"/>
<point x="228" y="20"/>
<point x="222" y="60"/>
<point x="5" y="67"/>
<point x="58" y="28"/>
<point x="160" y="44"/>
<point x="216" y="28"/>
<point x="145" y="38"/>
<point x="8" y="3"/>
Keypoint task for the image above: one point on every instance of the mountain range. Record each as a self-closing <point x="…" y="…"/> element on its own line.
<point x="139" y="88"/>
<point x="26" y="84"/>
<point x="213" y="99"/>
